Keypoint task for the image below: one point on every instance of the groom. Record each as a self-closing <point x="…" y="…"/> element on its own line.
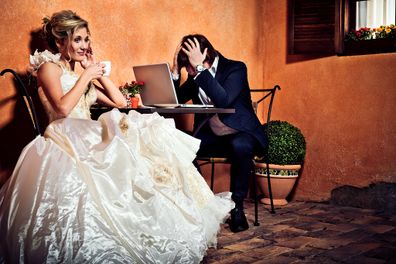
<point x="214" y="79"/>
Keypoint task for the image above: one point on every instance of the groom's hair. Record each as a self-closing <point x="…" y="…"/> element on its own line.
<point x="182" y="58"/>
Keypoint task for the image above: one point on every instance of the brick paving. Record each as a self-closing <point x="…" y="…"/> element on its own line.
<point x="309" y="232"/>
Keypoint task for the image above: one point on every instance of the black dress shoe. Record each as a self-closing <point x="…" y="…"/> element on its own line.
<point x="238" y="221"/>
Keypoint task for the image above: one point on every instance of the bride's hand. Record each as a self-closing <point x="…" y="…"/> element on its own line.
<point x="94" y="70"/>
<point x="89" y="59"/>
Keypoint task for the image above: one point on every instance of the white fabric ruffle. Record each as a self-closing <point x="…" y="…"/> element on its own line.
<point x="122" y="189"/>
<point x="39" y="58"/>
<point x="89" y="192"/>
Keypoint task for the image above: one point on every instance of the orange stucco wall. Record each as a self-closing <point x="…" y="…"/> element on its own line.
<point x="343" y="105"/>
<point x="127" y="32"/>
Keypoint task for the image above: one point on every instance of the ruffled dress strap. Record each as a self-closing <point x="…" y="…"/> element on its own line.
<point x="39" y="58"/>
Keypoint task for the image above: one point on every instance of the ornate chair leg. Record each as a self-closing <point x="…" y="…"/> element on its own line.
<point x="270" y="190"/>
<point x="212" y="175"/>
<point x="256" y="198"/>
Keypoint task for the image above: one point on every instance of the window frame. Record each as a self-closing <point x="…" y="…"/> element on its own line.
<point x="345" y="22"/>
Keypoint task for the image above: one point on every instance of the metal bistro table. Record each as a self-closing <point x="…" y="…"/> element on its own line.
<point x="96" y="111"/>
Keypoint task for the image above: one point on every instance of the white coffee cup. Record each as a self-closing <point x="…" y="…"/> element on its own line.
<point x="107" y="67"/>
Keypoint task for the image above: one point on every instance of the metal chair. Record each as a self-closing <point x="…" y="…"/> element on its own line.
<point x="269" y="95"/>
<point x="24" y="93"/>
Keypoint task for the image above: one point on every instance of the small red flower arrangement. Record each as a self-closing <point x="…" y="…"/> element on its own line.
<point x="132" y="88"/>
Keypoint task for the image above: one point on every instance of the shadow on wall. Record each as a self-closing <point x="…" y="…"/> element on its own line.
<point x="19" y="132"/>
<point x="379" y="196"/>
<point x="15" y="135"/>
<point x="37" y="41"/>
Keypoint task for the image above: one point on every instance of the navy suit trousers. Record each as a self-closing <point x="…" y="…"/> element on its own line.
<point x="240" y="148"/>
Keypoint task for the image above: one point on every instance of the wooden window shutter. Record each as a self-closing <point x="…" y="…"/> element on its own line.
<point x="311" y="26"/>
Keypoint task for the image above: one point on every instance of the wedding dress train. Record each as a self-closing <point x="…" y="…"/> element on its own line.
<point x="122" y="189"/>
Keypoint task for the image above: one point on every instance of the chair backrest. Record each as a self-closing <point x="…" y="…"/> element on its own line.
<point x="24" y="93"/>
<point x="268" y="94"/>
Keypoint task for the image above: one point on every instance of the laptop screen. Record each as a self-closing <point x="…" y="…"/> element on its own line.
<point x="158" y="85"/>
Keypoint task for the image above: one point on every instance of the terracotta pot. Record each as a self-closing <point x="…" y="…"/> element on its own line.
<point x="134" y="102"/>
<point x="281" y="185"/>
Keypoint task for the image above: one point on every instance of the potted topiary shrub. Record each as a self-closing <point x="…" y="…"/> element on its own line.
<point x="286" y="153"/>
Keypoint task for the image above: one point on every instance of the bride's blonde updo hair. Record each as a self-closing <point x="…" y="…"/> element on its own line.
<point x="61" y="26"/>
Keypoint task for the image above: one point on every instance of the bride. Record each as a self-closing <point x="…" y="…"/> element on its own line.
<point x="122" y="189"/>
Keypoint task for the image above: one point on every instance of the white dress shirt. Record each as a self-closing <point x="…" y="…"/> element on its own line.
<point x="218" y="127"/>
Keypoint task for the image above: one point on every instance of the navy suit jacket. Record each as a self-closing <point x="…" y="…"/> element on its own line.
<point x="229" y="89"/>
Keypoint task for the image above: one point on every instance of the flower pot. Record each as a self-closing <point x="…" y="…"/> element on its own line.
<point x="134" y="102"/>
<point x="283" y="178"/>
<point x="369" y="46"/>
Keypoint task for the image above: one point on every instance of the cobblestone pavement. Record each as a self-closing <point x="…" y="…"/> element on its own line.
<point x="309" y="232"/>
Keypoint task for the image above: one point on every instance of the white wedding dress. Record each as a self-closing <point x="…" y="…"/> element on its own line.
<point x="122" y="189"/>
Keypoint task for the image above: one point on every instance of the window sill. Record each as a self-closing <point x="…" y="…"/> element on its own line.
<point x="369" y="47"/>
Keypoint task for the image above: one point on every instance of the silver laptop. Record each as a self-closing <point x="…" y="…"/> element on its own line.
<point x="158" y="89"/>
